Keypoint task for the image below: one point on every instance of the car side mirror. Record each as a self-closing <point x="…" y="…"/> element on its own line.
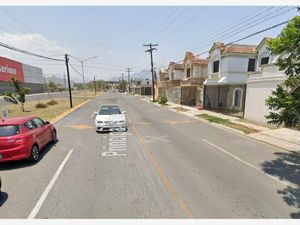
<point x="47" y="122"/>
<point x="124" y="112"/>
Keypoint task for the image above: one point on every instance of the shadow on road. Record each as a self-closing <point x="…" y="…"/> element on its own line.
<point x="3" y="198"/>
<point x="286" y="167"/>
<point x="12" y="165"/>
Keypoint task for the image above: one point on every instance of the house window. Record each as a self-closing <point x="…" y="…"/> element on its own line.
<point x="264" y="60"/>
<point x="251" y="65"/>
<point x="172" y="76"/>
<point x="216" y="66"/>
<point x="237" y="97"/>
<point x="188" y="72"/>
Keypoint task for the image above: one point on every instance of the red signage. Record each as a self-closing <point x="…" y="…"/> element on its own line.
<point x="10" y="68"/>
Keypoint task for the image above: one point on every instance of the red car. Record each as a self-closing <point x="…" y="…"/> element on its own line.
<point x="24" y="137"/>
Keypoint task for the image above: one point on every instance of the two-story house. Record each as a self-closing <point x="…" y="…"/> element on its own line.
<point x="225" y="87"/>
<point x="195" y="73"/>
<point x="262" y="82"/>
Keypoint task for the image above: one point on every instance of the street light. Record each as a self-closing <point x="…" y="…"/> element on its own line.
<point x="82" y="61"/>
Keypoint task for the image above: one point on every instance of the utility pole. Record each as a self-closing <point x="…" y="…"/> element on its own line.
<point x="69" y="83"/>
<point x="123" y="84"/>
<point x="95" y="85"/>
<point x="128" y="71"/>
<point x="45" y="83"/>
<point x="152" y="71"/>
<point x="65" y="82"/>
<point x="83" y="80"/>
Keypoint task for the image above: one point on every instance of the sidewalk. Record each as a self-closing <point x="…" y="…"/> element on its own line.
<point x="284" y="138"/>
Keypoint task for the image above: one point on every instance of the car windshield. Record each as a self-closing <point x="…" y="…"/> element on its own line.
<point x="10" y="130"/>
<point x="109" y="110"/>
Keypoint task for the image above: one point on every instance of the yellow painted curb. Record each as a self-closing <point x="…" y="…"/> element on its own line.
<point x="61" y="116"/>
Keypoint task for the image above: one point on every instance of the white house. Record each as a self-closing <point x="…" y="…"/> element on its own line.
<point x="225" y="87"/>
<point x="261" y="83"/>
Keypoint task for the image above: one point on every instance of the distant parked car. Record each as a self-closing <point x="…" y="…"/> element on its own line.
<point x="110" y="118"/>
<point x="24" y="137"/>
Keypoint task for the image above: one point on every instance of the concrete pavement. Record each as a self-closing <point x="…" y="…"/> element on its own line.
<point x="284" y="138"/>
<point x="172" y="166"/>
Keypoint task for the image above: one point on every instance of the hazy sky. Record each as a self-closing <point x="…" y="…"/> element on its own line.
<point x="116" y="34"/>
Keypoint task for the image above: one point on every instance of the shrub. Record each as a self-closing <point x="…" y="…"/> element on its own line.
<point x="41" y="105"/>
<point x="163" y="100"/>
<point x="52" y="102"/>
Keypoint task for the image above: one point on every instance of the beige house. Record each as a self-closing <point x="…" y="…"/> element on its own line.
<point x="183" y="83"/>
<point x="195" y="73"/>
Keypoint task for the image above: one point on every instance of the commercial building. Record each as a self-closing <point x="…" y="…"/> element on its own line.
<point x="29" y="76"/>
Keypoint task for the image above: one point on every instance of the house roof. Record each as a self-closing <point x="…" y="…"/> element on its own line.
<point x="264" y="40"/>
<point x="194" y="59"/>
<point x="247" y="49"/>
<point x="176" y="66"/>
<point x="234" y="48"/>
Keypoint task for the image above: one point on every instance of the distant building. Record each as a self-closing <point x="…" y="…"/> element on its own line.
<point x="60" y="82"/>
<point x="29" y="76"/>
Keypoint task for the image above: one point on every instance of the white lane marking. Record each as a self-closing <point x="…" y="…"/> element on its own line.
<point x="152" y="139"/>
<point x="43" y="197"/>
<point x="246" y="163"/>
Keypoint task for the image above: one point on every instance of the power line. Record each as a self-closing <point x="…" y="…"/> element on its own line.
<point x="243" y="38"/>
<point x="252" y="24"/>
<point x="230" y="27"/>
<point x="29" y="53"/>
<point x="184" y="23"/>
<point x="132" y="28"/>
<point x="78" y="73"/>
<point x="164" y="23"/>
<point x="227" y="31"/>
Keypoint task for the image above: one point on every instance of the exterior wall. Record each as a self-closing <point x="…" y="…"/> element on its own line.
<point x="187" y="64"/>
<point x="259" y="86"/>
<point x="33" y="75"/>
<point x="34" y="88"/>
<point x="178" y="74"/>
<point x="214" y="56"/>
<point x="10" y="68"/>
<point x="174" y="94"/>
<point x="263" y="52"/>
<point x="234" y="68"/>
<point x="199" y="71"/>
<point x="230" y="96"/>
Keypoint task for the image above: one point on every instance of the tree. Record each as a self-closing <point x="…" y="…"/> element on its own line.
<point x="19" y="96"/>
<point x="284" y="102"/>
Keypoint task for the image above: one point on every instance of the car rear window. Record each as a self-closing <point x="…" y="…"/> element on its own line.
<point x="109" y="110"/>
<point x="9" y="130"/>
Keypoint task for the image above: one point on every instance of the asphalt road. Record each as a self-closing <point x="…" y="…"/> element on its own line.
<point x="167" y="165"/>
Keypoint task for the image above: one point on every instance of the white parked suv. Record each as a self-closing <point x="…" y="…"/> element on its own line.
<point x="110" y="118"/>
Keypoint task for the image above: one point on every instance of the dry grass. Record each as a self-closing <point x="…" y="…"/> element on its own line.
<point x="80" y="94"/>
<point x="228" y="123"/>
<point x="46" y="114"/>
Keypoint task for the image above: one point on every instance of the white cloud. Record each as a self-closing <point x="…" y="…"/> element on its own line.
<point x="38" y="44"/>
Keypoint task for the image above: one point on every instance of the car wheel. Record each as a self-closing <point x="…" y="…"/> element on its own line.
<point x="35" y="153"/>
<point x="54" y="136"/>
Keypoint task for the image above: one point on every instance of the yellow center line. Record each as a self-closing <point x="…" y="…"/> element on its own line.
<point x="181" y="204"/>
